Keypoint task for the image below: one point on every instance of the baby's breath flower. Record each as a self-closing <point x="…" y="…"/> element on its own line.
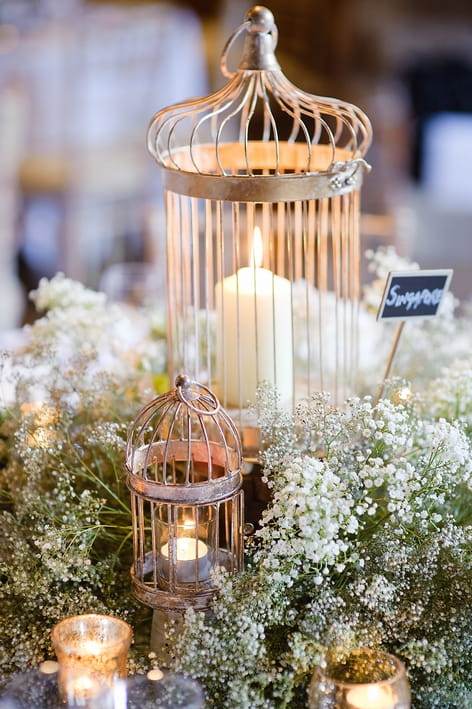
<point x="366" y="541"/>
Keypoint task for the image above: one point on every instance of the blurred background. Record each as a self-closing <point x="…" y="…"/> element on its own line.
<point x="80" y="80"/>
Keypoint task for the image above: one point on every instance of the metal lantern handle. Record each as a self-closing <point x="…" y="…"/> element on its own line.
<point x="259" y="20"/>
<point x="185" y="387"/>
<point x="224" y="54"/>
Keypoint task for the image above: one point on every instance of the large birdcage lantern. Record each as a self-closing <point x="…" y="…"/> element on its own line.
<point x="183" y="461"/>
<point x="262" y="185"/>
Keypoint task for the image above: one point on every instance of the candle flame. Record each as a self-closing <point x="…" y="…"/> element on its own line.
<point x="257" y="248"/>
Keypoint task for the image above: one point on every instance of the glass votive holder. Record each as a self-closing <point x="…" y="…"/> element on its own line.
<point x="158" y="688"/>
<point x="92" y="651"/>
<point x="34" y="688"/>
<point x="186" y="542"/>
<point x="364" y="679"/>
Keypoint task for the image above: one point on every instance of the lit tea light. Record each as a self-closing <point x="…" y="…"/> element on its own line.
<point x="363" y="679"/>
<point x="186" y="549"/>
<point x="92" y="651"/>
<point x="371" y="696"/>
<point x="79" y="689"/>
<point x="90" y="647"/>
<point x="191" y="557"/>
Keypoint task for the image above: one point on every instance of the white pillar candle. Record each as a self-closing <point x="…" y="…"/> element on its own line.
<point x="370" y="696"/>
<point x="254" y="334"/>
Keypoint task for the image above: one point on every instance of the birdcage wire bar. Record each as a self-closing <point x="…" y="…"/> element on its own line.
<point x="313" y="244"/>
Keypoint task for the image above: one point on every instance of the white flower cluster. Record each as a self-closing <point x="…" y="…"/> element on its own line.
<point x="367" y="539"/>
<point x="371" y="471"/>
<point x="450" y="395"/>
<point x="64" y="293"/>
<point x="306" y="523"/>
<point x="79" y="322"/>
<point x="64" y="517"/>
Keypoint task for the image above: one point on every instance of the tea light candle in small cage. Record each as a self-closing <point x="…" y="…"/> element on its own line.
<point x="183" y="462"/>
<point x="262" y="161"/>
<point x="92" y="652"/>
<point x="364" y="679"/>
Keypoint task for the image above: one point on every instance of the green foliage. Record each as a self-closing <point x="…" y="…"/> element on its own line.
<point x="367" y="540"/>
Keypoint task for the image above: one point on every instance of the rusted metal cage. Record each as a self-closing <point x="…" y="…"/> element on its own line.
<point x="262" y="188"/>
<point x="183" y="461"/>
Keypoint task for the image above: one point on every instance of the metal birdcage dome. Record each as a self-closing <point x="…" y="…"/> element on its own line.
<point x="258" y="125"/>
<point x="184" y="447"/>
<point x="183" y="460"/>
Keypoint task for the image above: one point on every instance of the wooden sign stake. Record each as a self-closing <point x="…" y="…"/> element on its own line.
<point x="393" y="350"/>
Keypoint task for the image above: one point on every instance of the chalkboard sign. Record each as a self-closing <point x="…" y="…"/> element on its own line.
<point x="413" y="294"/>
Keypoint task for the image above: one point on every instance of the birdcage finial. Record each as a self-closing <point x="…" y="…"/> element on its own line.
<point x="260" y="43"/>
<point x="198" y="398"/>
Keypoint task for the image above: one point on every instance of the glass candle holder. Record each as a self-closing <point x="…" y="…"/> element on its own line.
<point x="365" y="679"/>
<point x="186" y="539"/>
<point x="92" y="651"/>
<point x="157" y="689"/>
<point x="34" y="688"/>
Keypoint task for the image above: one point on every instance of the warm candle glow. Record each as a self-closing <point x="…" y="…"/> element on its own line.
<point x="254" y="331"/>
<point x="371" y="696"/>
<point x="189" y="557"/>
<point x="257" y="249"/>
<point x="92" y="651"/>
<point x="80" y="689"/>
<point x="186" y="549"/>
<point x="90" y="647"/>
<point x="381" y="682"/>
<point x="81" y="685"/>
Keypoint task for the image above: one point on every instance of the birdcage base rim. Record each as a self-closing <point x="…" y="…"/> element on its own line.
<point x="168" y="601"/>
<point x="180" y="598"/>
<point x="159" y="599"/>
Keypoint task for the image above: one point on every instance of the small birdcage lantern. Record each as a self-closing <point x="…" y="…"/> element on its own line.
<point x="183" y="460"/>
<point x="262" y="188"/>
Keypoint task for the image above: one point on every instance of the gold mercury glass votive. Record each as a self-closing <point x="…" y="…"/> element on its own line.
<point x="364" y="679"/>
<point x="92" y="652"/>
